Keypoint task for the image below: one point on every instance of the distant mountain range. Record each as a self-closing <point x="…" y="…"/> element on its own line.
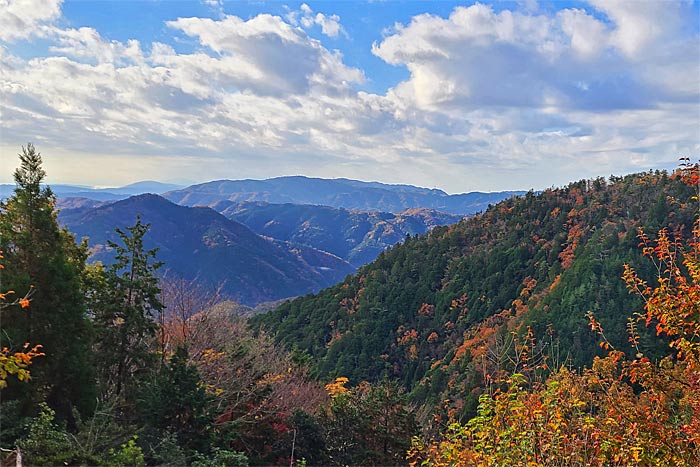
<point x="338" y="193"/>
<point x="270" y="239"/>
<point x="101" y="194"/>
<point x="199" y="243"/>
<point x="356" y="236"/>
<point x="332" y="242"/>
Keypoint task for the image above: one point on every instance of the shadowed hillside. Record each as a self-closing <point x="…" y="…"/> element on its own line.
<point x="356" y="236"/>
<point x="199" y="243"/>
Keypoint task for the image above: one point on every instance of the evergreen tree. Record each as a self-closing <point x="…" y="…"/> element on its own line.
<point x="125" y="309"/>
<point x="369" y="424"/>
<point x="45" y="262"/>
<point x="175" y="402"/>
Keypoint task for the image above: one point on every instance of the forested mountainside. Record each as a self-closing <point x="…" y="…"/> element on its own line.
<point x="429" y="311"/>
<point x="339" y="193"/>
<point x="356" y="236"/>
<point x="201" y="244"/>
<point x="113" y="365"/>
<point x="78" y="202"/>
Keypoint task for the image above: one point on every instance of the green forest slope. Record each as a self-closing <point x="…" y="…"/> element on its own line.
<point x="437" y="311"/>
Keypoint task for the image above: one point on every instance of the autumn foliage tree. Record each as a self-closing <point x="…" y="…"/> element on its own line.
<point x="255" y="386"/>
<point x="369" y="424"/>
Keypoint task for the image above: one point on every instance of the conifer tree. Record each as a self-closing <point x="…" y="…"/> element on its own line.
<point x="125" y="311"/>
<point x="176" y="402"/>
<point x="44" y="259"/>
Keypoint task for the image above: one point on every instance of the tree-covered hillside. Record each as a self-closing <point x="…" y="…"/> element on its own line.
<point x="112" y="365"/>
<point x="436" y="312"/>
<point x="491" y="324"/>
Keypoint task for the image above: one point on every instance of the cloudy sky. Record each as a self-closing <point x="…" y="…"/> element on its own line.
<point x="458" y="96"/>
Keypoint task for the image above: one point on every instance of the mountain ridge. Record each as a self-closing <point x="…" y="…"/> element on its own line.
<point x="338" y="193"/>
<point x="101" y="194"/>
<point x="356" y="236"/>
<point x="198" y="242"/>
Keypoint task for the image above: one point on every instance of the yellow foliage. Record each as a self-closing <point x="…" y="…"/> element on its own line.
<point x="337" y="387"/>
<point x="17" y="363"/>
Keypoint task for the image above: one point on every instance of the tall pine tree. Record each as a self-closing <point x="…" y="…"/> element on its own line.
<point x="125" y="311"/>
<point x="45" y="259"/>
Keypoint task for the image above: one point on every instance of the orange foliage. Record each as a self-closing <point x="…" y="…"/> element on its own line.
<point x="16" y="363"/>
<point x="350" y="305"/>
<point x="555" y="282"/>
<point x="567" y="255"/>
<point x="529" y="285"/>
<point x="426" y="309"/>
<point x="408" y="336"/>
<point x="478" y="338"/>
<point x="689" y="173"/>
<point x="413" y="352"/>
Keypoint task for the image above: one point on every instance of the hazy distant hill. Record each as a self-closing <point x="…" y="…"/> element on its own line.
<point x="78" y="202"/>
<point x="356" y="236"/>
<point x="203" y="244"/>
<point x="70" y="191"/>
<point x="339" y="193"/>
<point x="147" y="186"/>
<point x="101" y="194"/>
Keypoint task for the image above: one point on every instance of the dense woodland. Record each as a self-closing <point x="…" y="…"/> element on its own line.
<point x="438" y="311"/>
<point x="556" y="328"/>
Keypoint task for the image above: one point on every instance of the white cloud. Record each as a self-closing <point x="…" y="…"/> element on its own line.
<point x="86" y="43"/>
<point x="22" y="19"/>
<point x="478" y="57"/>
<point x="508" y="99"/>
<point x="276" y="57"/>
<point x="266" y="83"/>
<point x="330" y="24"/>
<point x="640" y="23"/>
<point x="588" y="35"/>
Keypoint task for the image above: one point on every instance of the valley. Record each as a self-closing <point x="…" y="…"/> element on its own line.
<point x="298" y="249"/>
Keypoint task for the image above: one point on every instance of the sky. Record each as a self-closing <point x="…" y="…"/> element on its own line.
<point x="459" y="96"/>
